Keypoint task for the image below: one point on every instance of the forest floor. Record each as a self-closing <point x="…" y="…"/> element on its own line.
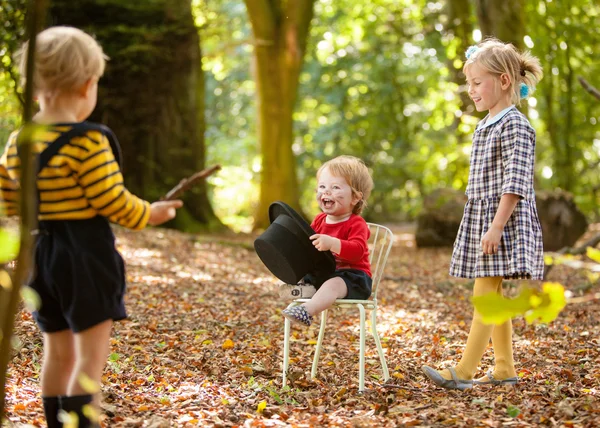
<point x="203" y="347"/>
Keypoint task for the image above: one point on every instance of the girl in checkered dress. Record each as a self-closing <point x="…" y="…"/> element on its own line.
<point x="500" y="235"/>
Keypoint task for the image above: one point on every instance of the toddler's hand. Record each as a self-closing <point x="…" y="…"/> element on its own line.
<point x="163" y="211"/>
<point x="325" y="242"/>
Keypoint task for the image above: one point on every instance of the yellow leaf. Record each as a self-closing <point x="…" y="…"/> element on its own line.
<point x="5" y="281"/>
<point x="90" y="412"/>
<point x="593" y="254"/>
<point x="398" y="375"/>
<point x="207" y="342"/>
<point x="224" y="401"/>
<point x="228" y="344"/>
<point x="548" y="260"/>
<point x="69" y="419"/>
<point x="90" y="386"/>
<point x="261" y="406"/>
<point x="311" y="342"/>
<point x="535" y="301"/>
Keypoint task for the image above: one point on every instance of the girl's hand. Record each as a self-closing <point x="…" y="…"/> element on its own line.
<point x="326" y="243"/>
<point x="163" y="211"/>
<point x="491" y="240"/>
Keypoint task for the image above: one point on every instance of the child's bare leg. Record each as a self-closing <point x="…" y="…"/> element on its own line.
<point x="58" y="363"/>
<point x="326" y="295"/>
<point x="91" y="350"/>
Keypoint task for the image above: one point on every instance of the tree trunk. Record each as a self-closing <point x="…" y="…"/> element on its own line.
<point x="502" y="19"/>
<point x="280" y="31"/>
<point x="460" y="26"/>
<point x="151" y="95"/>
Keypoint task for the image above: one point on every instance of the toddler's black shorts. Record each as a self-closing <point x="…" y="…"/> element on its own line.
<point x="79" y="275"/>
<point x="359" y="284"/>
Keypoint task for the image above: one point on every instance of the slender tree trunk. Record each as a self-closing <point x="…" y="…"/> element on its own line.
<point x="502" y="19"/>
<point x="460" y="25"/>
<point x="280" y="31"/>
<point x="152" y="94"/>
<point x="27" y="207"/>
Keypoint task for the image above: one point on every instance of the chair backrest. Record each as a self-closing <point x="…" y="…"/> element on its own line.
<point x="380" y="244"/>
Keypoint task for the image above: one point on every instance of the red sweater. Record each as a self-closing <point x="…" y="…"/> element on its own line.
<point x="353" y="234"/>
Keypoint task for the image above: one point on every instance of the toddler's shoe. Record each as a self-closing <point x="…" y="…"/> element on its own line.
<point x="298" y="314"/>
<point x="296" y="291"/>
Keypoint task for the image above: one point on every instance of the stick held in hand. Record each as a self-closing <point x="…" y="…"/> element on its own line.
<point x="186" y="183"/>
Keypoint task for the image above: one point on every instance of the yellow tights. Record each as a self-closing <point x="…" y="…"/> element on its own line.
<point x="479" y="338"/>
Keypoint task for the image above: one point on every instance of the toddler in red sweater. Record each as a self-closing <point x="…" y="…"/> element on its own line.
<point x="343" y="186"/>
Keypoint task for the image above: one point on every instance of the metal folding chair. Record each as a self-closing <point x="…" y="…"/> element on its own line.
<point x="380" y="244"/>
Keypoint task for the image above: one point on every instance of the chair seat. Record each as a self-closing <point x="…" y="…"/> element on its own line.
<point x="368" y="304"/>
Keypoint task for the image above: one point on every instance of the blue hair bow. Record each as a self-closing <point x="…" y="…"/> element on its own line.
<point x="523" y="90"/>
<point x="471" y="51"/>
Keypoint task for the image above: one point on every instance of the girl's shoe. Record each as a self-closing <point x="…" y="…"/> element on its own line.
<point x="493" y="381"/>
<point x="454" y="383"/>
<point x="296" y="291"/>
<point x="298" y="314"/>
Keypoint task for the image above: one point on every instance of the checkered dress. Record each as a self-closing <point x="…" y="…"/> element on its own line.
<point x="502" y="159"/>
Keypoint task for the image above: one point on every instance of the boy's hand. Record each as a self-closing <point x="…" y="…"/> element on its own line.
<point x="163" y="211"/>
<point x="326" y="242"/>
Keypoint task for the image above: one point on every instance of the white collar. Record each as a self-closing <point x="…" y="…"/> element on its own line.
<point x="489" y="122"/>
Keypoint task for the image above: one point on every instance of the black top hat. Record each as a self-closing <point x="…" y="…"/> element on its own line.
<point x="285" y="247"/>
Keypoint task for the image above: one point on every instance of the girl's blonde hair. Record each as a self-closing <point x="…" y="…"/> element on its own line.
<point x="503" y="58"/>
<point x="65" y="58"/>
<point x="356" y="174"/>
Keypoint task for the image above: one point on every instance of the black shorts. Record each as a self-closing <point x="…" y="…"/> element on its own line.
<point x="80" y="275"/>
<point x="359" y="284"/>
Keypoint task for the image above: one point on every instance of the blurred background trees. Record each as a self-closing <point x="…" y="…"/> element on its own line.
<point x="379" y="79"/>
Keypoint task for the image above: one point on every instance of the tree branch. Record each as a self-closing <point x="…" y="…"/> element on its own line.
<point x="186" y="183"/>
<point x="592" y="242"/>
<point x="589" y="88"/>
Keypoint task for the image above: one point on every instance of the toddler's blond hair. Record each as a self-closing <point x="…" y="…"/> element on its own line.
<point x="356" y="174"/>
<point x="65" y="58"/>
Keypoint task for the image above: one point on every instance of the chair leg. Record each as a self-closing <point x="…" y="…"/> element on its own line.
<point x="384" y="367"/>
<point x="286" y="350"/>
<point x="313" y="372"/>
<point x="361" y="363"/>
<point x="286" y="346"/>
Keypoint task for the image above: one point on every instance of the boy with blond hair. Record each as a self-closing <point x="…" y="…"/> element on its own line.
<point x="79" y="274"/>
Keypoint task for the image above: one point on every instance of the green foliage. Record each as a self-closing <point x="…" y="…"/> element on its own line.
<point x="12" y="30"/>
<point x="9" y="245"/>
<point x="533" y="304"/>
<point x="564" y="36"/>
<point x="377" y="83"/>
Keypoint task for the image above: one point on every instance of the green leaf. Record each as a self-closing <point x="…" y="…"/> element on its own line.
<point x="114" y="357"/>
<point x="512" y="411"/>
<point x="30" y="298"/>
<point x="9" y="245"/>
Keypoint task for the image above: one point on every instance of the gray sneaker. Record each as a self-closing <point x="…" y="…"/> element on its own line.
<point x="296" y="291"/>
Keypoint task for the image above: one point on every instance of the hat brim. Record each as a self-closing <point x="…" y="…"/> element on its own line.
<point x="326" y="260"/>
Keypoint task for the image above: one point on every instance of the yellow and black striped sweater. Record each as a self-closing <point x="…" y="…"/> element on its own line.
<point x="81" y="181"/>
